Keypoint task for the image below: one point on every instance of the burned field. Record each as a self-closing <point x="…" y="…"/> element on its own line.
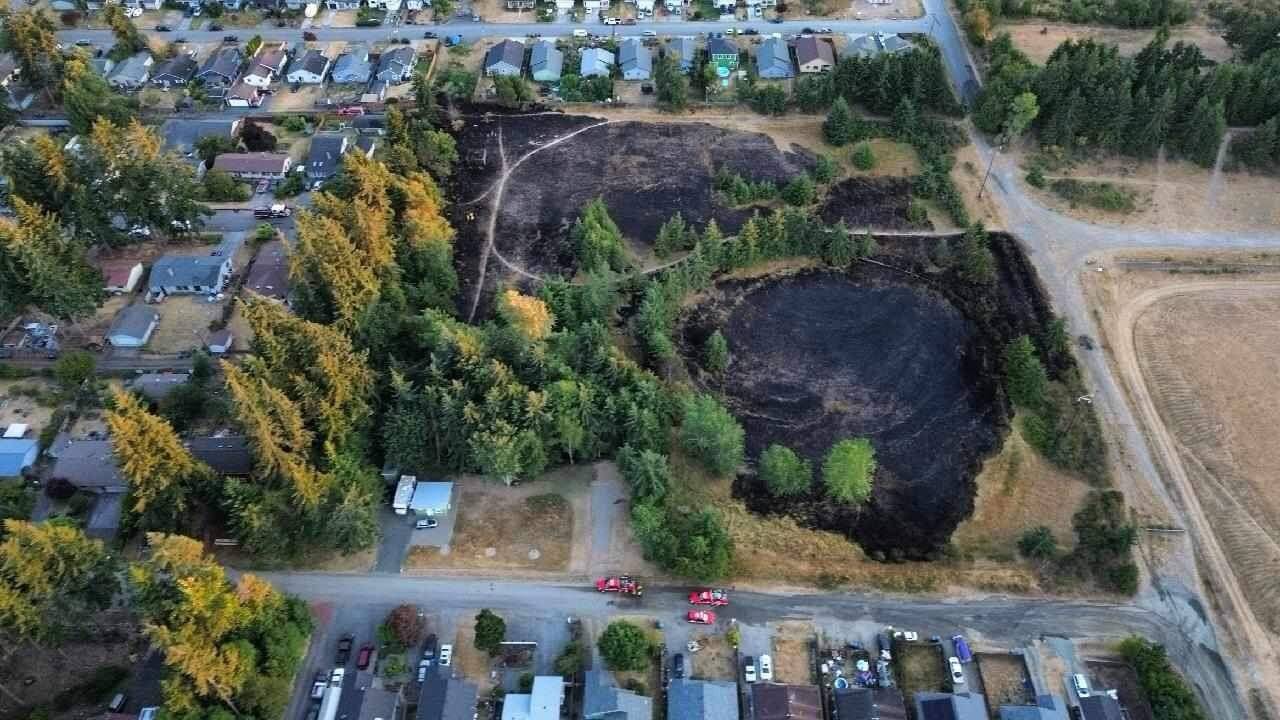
<point x="871" y="202"/>
<point x="910" y="360"/>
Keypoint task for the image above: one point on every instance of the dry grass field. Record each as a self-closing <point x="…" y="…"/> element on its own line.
<point x="501" y="528"/>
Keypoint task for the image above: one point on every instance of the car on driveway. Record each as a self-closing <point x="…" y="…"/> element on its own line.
<point x="677" y="666"/>
<point x="749" y="669"/>
<point x="423" y="667"/>
<point x="425" y="523"/>
<point x="957" y="671"/>
<point x="701" y="617"/>
<point x="163" y="28"/>
<point x="363" y="658"/>
<point x="429" y="647"/>
<point x="766" y="668"/>
<point x="309" y="36"/>
<point x="714" y="597"/>
<point x="446" y="655"/>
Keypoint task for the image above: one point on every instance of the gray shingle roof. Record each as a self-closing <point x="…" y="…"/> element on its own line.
<point x="546" y="60"/>
<point x="352" y="66"/>
<point x="603" y="700"/>
<point x="324" y="154"/>
<point x="683" y="49"/>
<point x="702" y="700"/>
<point x="186" y="271"/>
<point x="133" y="69"/>
<point x="507" y="52"/>
<point x="313" y="62"/>
<point x="810" y="48"/>
<point x="634" y="57"/>
<point x="179" y="67"/>
<point x="89" y="464"/>
<point x="252" y="162"/>
<point x="181" y="136"/>
<point x="156" y="385"/>
<point x="596" y="61"/>
<point x="133" y="321"/>
<point x="773" y="59"/>
<point x="396" y="63"/>
<point x="226" y="455"/>
<point x="446" y="698"/>
<point x="223" y="65"/>
<point x="720" y="46"/>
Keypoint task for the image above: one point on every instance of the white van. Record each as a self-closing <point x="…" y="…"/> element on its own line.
<point x="579" y="33"/>
<point x="1080" y="684"/>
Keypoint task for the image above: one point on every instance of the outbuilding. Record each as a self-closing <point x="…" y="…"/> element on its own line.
<point x="132" y="326"/>
<point x="16" y="455"/>
<point x="432" y="499"/>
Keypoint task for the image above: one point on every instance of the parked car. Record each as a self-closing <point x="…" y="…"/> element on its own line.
<point x="824" y="31"/>
<point x="197" y="11"/>
<point x="649" y="33"/>
<point x="766" y="668"/>
<point x="231" y="38"/>
<point x="677" y="666"/>
<point x="429" y="35"/>
<point x="751" y="31"/>
<point x="317" y="687"/>
<point x="117" y="702"/>
<point x="701" y="617"/>
<point x="84" y="42"/>
<point x="749" y="669"/>
<point x="957" y="671"/>
<point x="714" y="597"/>
<point x="1080" y="684"/>
<point x="215" y="27"/>
<point x="363" y="658"/>
<point x="163" y="28"/>
<point x="962" y="648"/>
<point x="422" y="669"/>
<point x="425" y="523"/>
<point x="429" y="647"/>
<point x="807" y="31"/>
<point x="309" y="36"/>
<point x="776" y="20"/>
<point x="262" y="186"/>
<point x="344" y="650"/>
<point x="446" y="655"/>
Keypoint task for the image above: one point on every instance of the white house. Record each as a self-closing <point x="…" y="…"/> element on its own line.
<point x="266" y="66"/>
<point x="309" y="69"/>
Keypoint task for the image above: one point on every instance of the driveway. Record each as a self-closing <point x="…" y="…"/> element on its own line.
<point x="397" y="531"/>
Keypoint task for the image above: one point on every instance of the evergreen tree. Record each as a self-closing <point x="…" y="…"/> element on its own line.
<point x="838" y="127"/>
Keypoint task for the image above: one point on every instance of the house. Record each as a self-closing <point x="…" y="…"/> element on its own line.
<point x="879" y="43"/>
<point x="89" y="465"/>
<point x="786" y="702"/>
<point x="16" y="455"/>
<point x="189" y="275"/>
<point x="379" y="704"/>
<point x="222" y="67"/>
<point x="370" y="125"/>
<point x="388" y="5"/>
<point x="325" y="155"/>
<point x="814" y="55"/>
<point x="132" y="326"/>
<point x="702" y="700"/>
<point x="543" y="703"/>
<point x="432" y="499"/>
<point x="1047" y="707"/>
<point x="176" y="71"/>
<point x="269" y="274"/>
<point x="266" y="66"/>
<point x="1100" y="706"/>
<point x="773" y="59"/>
<point x="154" y="386"/>
<point x="505" y="58"/>
<point x="396" y="66"/>
<point x="726" y="6"/>
<point x="309" y="69"/>
<point x="253" y="166"/>
<point x="446" y="698"/>
<point x="722" y="53"/>
<point x="101" y="66"/>
<point x="352" y="66"/>
<point x="220" y="342"/>
<point x="120" y="277"/>
<point x="858" y="703"/>
<point x="950" y="706"/>
<point x="596" y="62"/>
<point x="132" y="72"/>
<point x="644" y="6"/>
<point x="592" y="6"/>
<point x="602" y="699"/>
<point x="181" y="136"/>
<point x="342" y="4"/>
<point x="685" y="51"/>
<point x="242" y="94"/>
<point x="674" y="6"/>
<point x="635" y="60"/>
<point x="564" y="6"/>
<point x="546" y="62"/>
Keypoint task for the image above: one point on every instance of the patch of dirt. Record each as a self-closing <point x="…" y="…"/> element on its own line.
<point x="967" y="176"/>
<point x="1028" y="38"/>
<point x="862" y="202"/>
<point x="920" y="667"/>
<point x="497" y="527"/>
<point x="791" y="653"/>
<point x="1120" y="677"/>
<point x="715" y="661"/>
<point x="21" y="407"/>
<point x="469" y="662"/>
<point x="1005" y="680"/>
<point x="184" y="323"/>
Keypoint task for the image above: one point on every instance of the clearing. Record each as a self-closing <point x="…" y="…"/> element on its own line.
<point x="793" y="652"/>
<point x="30" y="401"/>
<point x="715" y="660"/>
<point x="1028" y="37"/>
<point x="920" y="667"/>
<point x="1005" y="680"/>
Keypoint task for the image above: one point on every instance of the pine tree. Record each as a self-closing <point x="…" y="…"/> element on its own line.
<point x="52" y="579"/>
<point x="1203" y="133"/>
<point x="838" y="127"/>
<point x="672" y="236"/>
<point x="152" y="458"/>
<point x="41" y="265"/>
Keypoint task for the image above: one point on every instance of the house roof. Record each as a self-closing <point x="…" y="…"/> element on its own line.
<point x="325" y="153"/>
<point x="88" y="464"/>
<point x="250" y="163"/>
<point x="352" y="65"/>
<point x="720" y="46"/>
<point x="1100" y="707"/>
<point x="786" y="702"/>
<point x="545" y="57"/>
<point x="876" y="44"/>
<point x="683" y="49"/>
<point x="379" y="704"/>
<point x="510" y="52"/>
<point x="269" y="274"/>
<point x="156" y="385"/>
<point x="13" y="455"/>
<point x="134" y="321"/>
<point x="186" y="270"/>
<point x="702" y="700"/>
<point x="430" y="495"/>
<point x="949" y="706"/>
<point x="596" y="60"/>
<point x="869" y="704"/>
<point x="116" y="273"/>
<point x="16" y="431"/>
<point x="178" y="66"/>
<point x="225" y="62"/>
<point x="244" y="91"/>
<point x="773" y="57"/>
<point x="810" y="48"/>
<point x="273" y="58"/>
<point x="633" y="55"/>
<point x="446" y="698"/>
<point x="1047" y="707"/>
<point x="134" y="68"/>
<point x="366" y="144"/>
<point x="181" y="136"/>
<point x="228" y="455"/>
<point x="397" y="61"/>
<point x="602" y="699"/>
<point x="543" y="703"/>
<point x="313" y="62"/>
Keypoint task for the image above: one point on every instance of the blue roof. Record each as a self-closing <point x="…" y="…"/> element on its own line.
<point x="16" y="454"/>
<point x="702" y="700"/>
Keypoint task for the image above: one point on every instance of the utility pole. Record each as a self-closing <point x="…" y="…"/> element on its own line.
<point x="995" y="150"/>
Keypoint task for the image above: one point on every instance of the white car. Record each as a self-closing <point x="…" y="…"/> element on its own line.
<point x="650" y="33"/>
<point x="766" y="668"/>
<point x="422" y="669"/>
<point x="957" y="672"/>
<point x="749" y="672"/>
<point x="446" y="655"/>
<point x="1080" y="684"/>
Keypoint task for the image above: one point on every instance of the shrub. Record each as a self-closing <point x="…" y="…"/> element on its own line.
<point x="1024" y="375"/>
<point x="295" y="123"/>
<point x="711" y="434"/>
<point x="572" y="660"/>
<point x="624" y="647"/>
<point x="490" y="631"/>
<point x="916" y="211"/>
<point x="1035" y="177"/>
<point x="784" y="472"/>
<point x="1170" y="696"/>
<point x="863" y="157"/>
<point x="824" y="169"/>
<point x="849" y="469"/>
<point x="716" y="353"/>
<point x="1038" y="542"/>
<point x="1101" y="195"/>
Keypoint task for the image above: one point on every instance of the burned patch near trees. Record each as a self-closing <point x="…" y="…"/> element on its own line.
<point x="871" y="202"/>
<point x="906" y="357"/>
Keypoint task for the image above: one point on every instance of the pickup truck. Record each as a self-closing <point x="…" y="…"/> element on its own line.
<point x="344" y="650"/>
<point x="279" y="210"/>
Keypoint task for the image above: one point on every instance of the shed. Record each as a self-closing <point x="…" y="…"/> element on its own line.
<point x="89" y="465"/>
<point x="505" y="58"/>
<point x="546" y="62"/>
<point x="635" y="60"/>
<point x="773" y="59"/>
<point x="16" y="455"/>
<point x="221" y="342"/>
<point x="432" y="498"/>
<point x="132" y="326"/>
<point x="702" y="700"/>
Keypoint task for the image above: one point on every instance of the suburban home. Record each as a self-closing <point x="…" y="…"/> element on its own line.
<point x="722" y="53"/>
<point x="154" y="386"/>
<point x="545" y="62"/>
<point x="269" y="274"/>
<point x="773" y="59"/>
<point x="1100" y="706"/>
<point x="16" y="455"/>
<point x="89" y="464"/>
<point x="684" y="51"/>
<point x="120" y="276"/>
<point x="189" y="275"/>
<point x="253" y="166"/>
<point x="132" y="326"/>
<point x="542" y="703"/>
<point x="1047" y="707"/>
<point x="101" y="66"/>
<point x="412" y="5"/>
<point x="787" y="702"/>
<point x="596" y="62"/>
<point x="352" y="66"/>
<point x="176" y="71"/>
<point x="726" y="6"/>
<point x="181" y="136"/>
<point x="602" y="699"/>
<point x="814" y="55"/>
<point x="379" y="704"/>
<point x="432" y="499"/>
<point x="443" y="697"/>
<point x="951" y="706"/>
<point x="859" y="703"/>
<point x="342" y="4"/>
<point x="396" y="65"/>
<point x="635" y="60"/>
<point x="674" y="7"/>
<point x="309" y="69"/>
<point x="242" y="94"/>
<point x="644" y="6"/>
<point x="266" y="66"/>
<point x="222" y="67"/>
<point x="228" y="456"/>
<point x="132" y="72"/>
<point x="505" y="58"/>
<point x="703" y="700"/>
<point x="388" y="5"/>
<point x="325" y="155"/>
<point x="879" y="43"/>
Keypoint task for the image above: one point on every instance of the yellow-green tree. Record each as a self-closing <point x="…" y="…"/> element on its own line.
<point x="528" y="315"/>
<point x="42" y="265"/>
<point x="52" y="578"/>
<point x="331" y="282"/>
<point x="152" y="458"/>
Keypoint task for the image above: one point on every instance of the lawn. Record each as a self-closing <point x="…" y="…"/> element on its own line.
<point x="503" y="528"/>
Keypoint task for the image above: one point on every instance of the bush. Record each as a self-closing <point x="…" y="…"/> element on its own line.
<point x="711" y="434"/>
<point x="221" y="187"/>
<point x="863" y="157"/>
<point x="784" y="472"/>
<point x="624" y="647"/>
<point x="59" y="488"/>
<point x="824" y="169"/>
<point x="572" y="660"/>
<point x="526" y="682"/>
<point x="916" y="212"/>
<point x="1038" y="542"/>
<point x="295" y="123"/>
<point x="1101" y="195"/>
<point x="1035" y="177"/>
<point x="1170" y="696"/>
<point x="849" y="469"/>
<point x="293" y="185"/>
<point x="1024" y="375"/>
<point x="490" y="631"/>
